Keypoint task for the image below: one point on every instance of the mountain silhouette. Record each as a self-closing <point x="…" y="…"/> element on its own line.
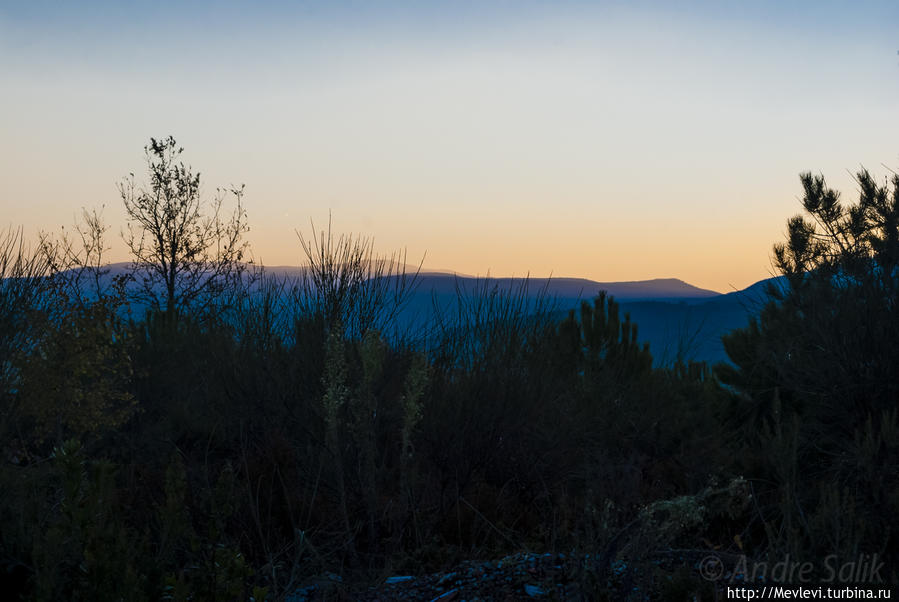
<point x="678" y="320"/>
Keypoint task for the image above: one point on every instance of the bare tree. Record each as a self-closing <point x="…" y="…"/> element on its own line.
<point x="185" y="251"/>
<point x="77" y="261"/>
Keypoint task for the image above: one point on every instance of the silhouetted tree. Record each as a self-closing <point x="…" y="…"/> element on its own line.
<point x="184" y="249"/>
<point x="816" y="375"/>
<point x="831" y="331"/>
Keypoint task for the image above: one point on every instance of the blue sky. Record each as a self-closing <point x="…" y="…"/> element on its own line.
<point x="604" y="140"/>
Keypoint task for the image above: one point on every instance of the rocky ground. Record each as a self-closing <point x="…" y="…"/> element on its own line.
<point x="519" y="577"/>
<point x="676" y="562"/>
<point x="523" y="576"/>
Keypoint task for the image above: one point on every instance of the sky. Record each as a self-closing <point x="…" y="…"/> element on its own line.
<point x="604" y="140"/>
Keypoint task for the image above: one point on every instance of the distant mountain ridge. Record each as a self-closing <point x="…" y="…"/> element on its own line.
<point x="446" y="280"/>
<point x="659" y="288"/>
<point x="678" y="320"/>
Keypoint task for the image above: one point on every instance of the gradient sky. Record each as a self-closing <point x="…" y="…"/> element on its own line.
<point x="606" y="140"/>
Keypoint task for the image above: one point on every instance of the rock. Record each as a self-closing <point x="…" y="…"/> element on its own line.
<point x="445" y="597"/>
<point x="447" y="578"/>
<point x="533" y="591"/>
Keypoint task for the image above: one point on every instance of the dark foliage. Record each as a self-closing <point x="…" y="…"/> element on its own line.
<point x="242" y="449"/>
<point x="816" y="374"/>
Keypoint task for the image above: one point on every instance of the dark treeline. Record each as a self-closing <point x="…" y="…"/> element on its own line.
<point x="195" y="429"/>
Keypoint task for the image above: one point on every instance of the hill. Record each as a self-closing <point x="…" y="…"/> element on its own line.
<point x="677" y="319"/>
